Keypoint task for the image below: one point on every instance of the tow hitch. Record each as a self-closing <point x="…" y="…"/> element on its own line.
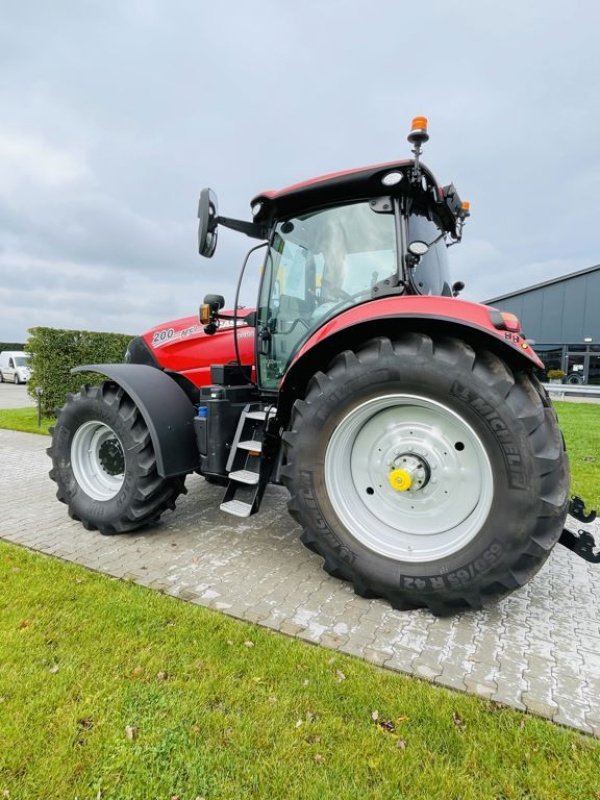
<point x="582" y="543"/>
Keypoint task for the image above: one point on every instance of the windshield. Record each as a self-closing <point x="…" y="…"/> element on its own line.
<point x="432" y="273"/>
<point x="318" y="264"/>
<point x="21" y="361"/>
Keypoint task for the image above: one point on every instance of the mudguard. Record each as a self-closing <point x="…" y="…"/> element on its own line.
<point x="166" y="410"/>
<point x="388" y="315"/>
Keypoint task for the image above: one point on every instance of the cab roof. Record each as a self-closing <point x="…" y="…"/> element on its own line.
<point x="337" y="187"/>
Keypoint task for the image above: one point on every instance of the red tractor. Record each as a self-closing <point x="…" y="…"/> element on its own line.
<point x="423" y="458"/>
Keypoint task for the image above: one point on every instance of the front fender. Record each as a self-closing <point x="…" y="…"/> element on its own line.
<point x="166" y="409"/>
<point x="392" y="315"/>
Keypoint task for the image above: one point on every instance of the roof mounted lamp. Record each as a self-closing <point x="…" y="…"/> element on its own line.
<point x="465" y="211"/>
<point x="417" y="137"/>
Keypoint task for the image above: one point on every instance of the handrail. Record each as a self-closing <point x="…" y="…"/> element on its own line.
<point x="572" y="388"/>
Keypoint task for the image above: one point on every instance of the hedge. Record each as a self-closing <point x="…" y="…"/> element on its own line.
<point x="11" y="346"/>
<point x="54" y="352"/>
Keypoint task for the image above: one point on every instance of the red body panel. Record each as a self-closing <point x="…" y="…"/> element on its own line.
<point x="448" y="309"/>
<point x="182" y="346"/>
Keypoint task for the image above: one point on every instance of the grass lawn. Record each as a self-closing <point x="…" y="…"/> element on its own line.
<point x="580" y="424"/>
<point x="24" y="419"/>
<point x="110" y="690"/>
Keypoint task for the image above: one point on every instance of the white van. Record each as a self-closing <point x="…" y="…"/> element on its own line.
<point x="14" y="366"/>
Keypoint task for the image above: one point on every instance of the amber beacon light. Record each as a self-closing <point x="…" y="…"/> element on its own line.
<point x="418" y="131"/>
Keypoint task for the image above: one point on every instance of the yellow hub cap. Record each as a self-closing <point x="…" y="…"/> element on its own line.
<point x="400" y="480"/>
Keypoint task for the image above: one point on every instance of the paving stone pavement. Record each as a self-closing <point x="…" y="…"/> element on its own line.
<point x="537" y="650"/>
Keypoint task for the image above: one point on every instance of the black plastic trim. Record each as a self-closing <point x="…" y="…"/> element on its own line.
<point x="497" y="319"/>
<point x="138" y="352"/>
<point x="166" y="409"/>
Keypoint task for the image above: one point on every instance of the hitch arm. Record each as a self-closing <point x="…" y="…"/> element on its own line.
<point x="583" y="543"/>
<point x="577" y="510"/>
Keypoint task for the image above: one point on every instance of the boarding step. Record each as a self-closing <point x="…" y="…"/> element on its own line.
<point x="261" y="415"/>
<point x="252" y="444"/>
<point x="237" y="507"/>
<point x="248" y="475"/>
<point x="245" y="476"/>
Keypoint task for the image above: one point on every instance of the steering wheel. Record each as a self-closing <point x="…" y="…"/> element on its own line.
<point x="294" y="325"/>
<point x="333" y="306"/>
<point x="325" y="282"/>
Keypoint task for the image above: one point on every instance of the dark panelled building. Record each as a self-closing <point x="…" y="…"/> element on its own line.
<point x="562" y="317"/>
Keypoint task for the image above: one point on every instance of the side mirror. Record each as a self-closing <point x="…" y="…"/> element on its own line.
<point x="215" y="300"/>
<point x="208" y="215"/>
<point x="457" y="288"/>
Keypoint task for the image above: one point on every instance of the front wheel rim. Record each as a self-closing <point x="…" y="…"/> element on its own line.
<point x="98" y="460"/>
<point x="451" y="485"/>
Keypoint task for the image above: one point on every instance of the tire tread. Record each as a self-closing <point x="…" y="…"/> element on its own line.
<point x="153" y="495"/>
<point x="529" y="403"/>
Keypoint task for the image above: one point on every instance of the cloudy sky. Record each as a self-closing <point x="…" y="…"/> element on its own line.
<point x="113" y="115"/>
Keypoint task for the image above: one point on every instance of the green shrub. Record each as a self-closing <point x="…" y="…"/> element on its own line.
<point x="11" y="346"/>
<point x="54" y="352"/>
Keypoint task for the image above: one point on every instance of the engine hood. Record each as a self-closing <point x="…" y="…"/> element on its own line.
<point x="182" y="345"/>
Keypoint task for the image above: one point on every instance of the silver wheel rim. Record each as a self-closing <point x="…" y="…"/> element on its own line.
<point x="452" y="481"/>
<point x="97" y="460"/>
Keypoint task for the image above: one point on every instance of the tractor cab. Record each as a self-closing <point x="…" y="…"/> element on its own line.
<point x="341" y="240"/>
<point x="346" y="241"/>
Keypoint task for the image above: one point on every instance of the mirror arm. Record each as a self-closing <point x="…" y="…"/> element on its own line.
<point x="249" y="228"/>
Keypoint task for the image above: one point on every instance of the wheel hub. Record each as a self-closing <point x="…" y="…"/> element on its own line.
<point x="409" y="472"/>
<point x="98" y="460"/>
<point x="110" y="455"/>
<point x="421" y="483"/>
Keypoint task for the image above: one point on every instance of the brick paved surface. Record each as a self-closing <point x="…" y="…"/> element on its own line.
<point x="537" y="650"/>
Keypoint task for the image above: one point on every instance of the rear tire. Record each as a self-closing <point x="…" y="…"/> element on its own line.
<point x="486" y="467"/>
<point x="104" y="463"/>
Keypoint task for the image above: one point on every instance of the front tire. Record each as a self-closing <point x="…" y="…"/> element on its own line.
<point x="104" y="462"/>
<point x="427" y="473"/>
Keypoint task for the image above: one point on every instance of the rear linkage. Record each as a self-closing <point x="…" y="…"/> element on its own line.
<point x="582" y="543"/>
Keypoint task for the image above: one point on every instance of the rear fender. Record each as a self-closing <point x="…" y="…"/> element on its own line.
<point x="166" y="409"/>
<point x="441" y="316"/>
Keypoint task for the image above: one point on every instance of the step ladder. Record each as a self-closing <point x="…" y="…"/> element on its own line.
<point x="245" y="465"/>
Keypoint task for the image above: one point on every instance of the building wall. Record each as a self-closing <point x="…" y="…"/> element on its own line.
<point x="563" y="319"/>
<point x="567" y="312"/>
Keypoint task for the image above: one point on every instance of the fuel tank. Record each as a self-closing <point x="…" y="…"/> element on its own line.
<point x="183" y="346"/>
